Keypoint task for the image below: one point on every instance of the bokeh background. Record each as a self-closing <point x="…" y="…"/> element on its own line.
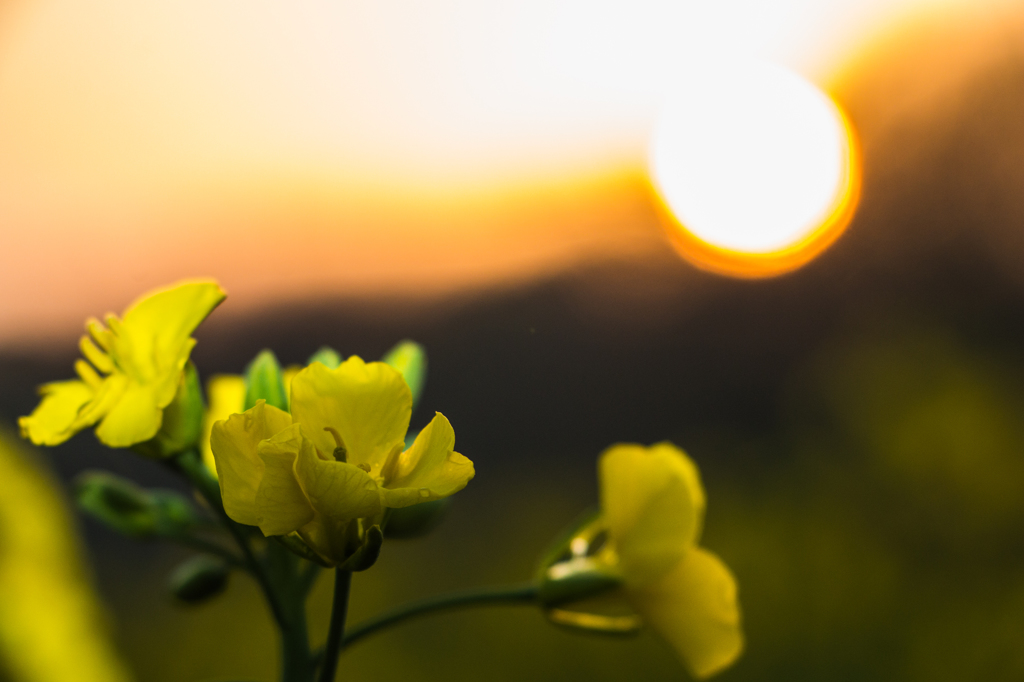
<point x="858" y="422"/>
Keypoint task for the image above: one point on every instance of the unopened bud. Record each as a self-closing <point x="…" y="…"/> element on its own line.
<point x="366" y="556"/>
<point x="263" y="381"/>
<point x="326" y="356"/>
<point x="199" y="579"/>
<point x="131" y="510"/>
<point x="409" y="358"/>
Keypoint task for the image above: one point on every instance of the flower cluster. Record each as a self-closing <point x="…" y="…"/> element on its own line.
<point x="321" y="459"/>
<point x="644" y="545"/>
<point x="338" y="457"/>
<point x="133" y="370"/>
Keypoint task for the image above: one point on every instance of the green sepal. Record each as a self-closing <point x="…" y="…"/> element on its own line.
<point x="578" y="589"/>
<point x="366" y="556"/>
<point x="409" y="358"/>
<point x="132" y="510"/>
<point x="326" y="356"/>
<point x="574" y="580"/>
<point x="625" y="625"/>
<point x="584" y="525"/>
<point x="182" y="419"/>
<point x="417" y="520"/>
<point x="199" y="579"/>
<point x="263" y="381"/>
<point x="570" y="569"/>
<point x="296" y="545"/>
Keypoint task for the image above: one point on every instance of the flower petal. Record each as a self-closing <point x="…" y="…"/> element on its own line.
<point x="50" y="423"/>
<point x="234" y="443"/>
<point x="169" y="377"/>
<point x="281" y="505"/>
<point x="104" y="400"/>
<point x="654" y="505"/>
<point x="430" y="469"/>
<point x="339" y="493"/>
<point x="133" y="418"/>
<point x="694" y="607"/>
<point x="226" y="393"/>
<point x="336" y="490"/>
<point x="368" y="404"/>
<point x="159" y="323"/>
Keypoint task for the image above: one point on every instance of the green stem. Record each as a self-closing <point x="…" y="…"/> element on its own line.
<point x="191" y="464"/>
<point x="282" y="569"/>
<point x="339" y="610"/>
<point x="296" y="662"/>
<point x="308" y="578"/>
<point x="525" y="593"/>
<point x="256" y="569"/>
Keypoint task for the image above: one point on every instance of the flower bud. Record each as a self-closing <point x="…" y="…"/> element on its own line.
<point x="409" y="358"/>
<point x="263" y="381"/>
<point x="326" y="356"/>
<point x="199" y="579"/>
<point x="366" y="556"/>
<point x="131" y="510"/>
<point x="297" y="546"/>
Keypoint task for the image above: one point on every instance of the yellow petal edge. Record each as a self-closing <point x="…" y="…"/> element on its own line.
<point x="653" y="506"/>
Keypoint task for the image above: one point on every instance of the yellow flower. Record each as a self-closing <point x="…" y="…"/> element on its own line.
<point x="225" y="394"/>
<point x="336" y="458"/>
<point x="652" y="504"/>
<point x="135" y="367"/>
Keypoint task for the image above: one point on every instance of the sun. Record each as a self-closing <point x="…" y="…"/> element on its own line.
<point x="756" y="169"/>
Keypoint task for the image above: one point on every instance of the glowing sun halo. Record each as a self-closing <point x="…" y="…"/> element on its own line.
<point x="756" y="168"/>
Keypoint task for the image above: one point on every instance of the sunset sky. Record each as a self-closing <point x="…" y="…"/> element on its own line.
<point x="326" y="148"/>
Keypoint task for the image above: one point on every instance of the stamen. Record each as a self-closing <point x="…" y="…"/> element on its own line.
<point x="99" y="333"/>
<point x="340" y="452"/>
<point x="98" y="358"/>
<point x="87" y="374"/>
<point x="115" y="325"/>
<point x="122" y="350"/>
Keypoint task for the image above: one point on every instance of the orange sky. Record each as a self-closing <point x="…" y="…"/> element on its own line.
<point x="139" y="146"/>
<point x="274" y="245"/>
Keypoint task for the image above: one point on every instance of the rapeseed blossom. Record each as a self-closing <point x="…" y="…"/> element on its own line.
<point x="133" y="369"/>
<point x="225" y="394"/>
<point x="333" y="466"/>
<point x="645" y="539"/>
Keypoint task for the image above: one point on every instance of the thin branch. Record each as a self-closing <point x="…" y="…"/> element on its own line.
<point x="339" y="610"/>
